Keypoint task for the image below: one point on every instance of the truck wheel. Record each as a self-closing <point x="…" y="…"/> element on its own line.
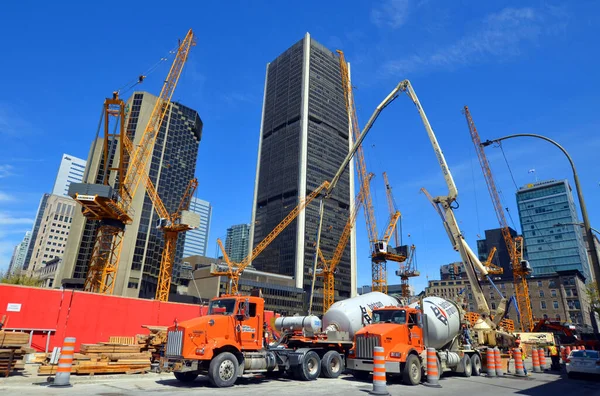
<point x="223" y="370"/>
<point x="475" y="365"/>
<point x="468" y="366"/>
<point x="188" y="376"/>
<point x="310" y="368"/>
<point x="412" y="371"/>
<point x="332" y="365"/>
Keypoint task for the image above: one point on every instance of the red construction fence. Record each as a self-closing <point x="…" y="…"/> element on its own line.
<point x="88" y="317"/>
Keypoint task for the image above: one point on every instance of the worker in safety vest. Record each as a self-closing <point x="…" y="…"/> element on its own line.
<point x="555" y="358"/>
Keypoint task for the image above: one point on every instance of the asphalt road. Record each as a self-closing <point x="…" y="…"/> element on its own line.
<point x="546" y="384"/>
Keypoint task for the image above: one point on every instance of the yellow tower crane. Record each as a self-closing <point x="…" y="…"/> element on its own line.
<point x="328" y="268"/>
<point x="520" y="267"/>
<point x="234" y="270"/>
<point x="113" y="207"/>
<point x="380" y="253"/>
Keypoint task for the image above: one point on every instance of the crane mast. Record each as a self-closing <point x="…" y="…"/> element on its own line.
<point x="514" y="245"/>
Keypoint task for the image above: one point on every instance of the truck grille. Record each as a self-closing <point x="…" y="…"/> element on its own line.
<point x="174" y="343"/>
<point x="365" y="345"/>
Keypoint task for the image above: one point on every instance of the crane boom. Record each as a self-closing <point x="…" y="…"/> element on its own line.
<point x="235" y="269"/>
<point x="141" y="155"/>
<point x="443" y="205"/>
<point x="392" y="208"/>
<point x="514" y="245"/>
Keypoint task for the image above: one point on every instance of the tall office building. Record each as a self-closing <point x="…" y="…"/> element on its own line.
<point x="304" y="138"/>
<point x="19" y="254"/>
<point x="53" y="231"/>
<point x="13" y="258"/>
<point x="70" y="171"/>
<point x="495" y="239"/>
<point x="552" y="248"/>
<point x="171" y="166"/>
<point x="197" y="240"/>
<point x="236" y="243"/>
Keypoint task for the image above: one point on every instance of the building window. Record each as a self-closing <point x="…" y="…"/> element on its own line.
<point x="543" y="304"/>
<point x="553" y="293"/>
<point x="540" y="283"/>
<point x="555" y="304"/>
<point x="541" y="293"/>
<point x="493" y="305"/>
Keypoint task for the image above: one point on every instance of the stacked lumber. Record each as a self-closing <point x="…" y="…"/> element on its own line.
<point x="106" y="358"/>
<point x="153" y="342"/>
<point x="13" y="347"/>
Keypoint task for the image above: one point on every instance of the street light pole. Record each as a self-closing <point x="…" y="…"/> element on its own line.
<point x="586" y="221"/>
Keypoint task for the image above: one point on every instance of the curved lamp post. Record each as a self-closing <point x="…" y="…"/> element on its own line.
<point x="586" y="221"/>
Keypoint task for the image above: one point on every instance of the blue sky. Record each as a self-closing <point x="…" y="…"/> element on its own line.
<point x="521" y="66"/>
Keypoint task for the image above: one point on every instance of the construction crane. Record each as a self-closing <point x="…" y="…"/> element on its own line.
<point x="380" y="253"/>
<point x="328" y="267"/>
<point x="408" y="270"/>
<point x="392" y="207"/>
<point x="113" y="207"/>
<point x="520" y="267"/>
<point x="234" y="270"/>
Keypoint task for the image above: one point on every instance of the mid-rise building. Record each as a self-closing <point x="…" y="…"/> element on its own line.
<point x="236" y="242"/>
<point x="453" y="271"/>
<point x="196" y="240"/>
<point x="171" y="166"/>
<point x="559" y="296"/>
<point x="549" y="247"/>
<point x="53" y="232"/>
<point x="71" y="170"/>
<point x="495" y="239"/>
<point x="304" y="138"/>
<point x="13" y="258"/>
<point x="279" y="291"/>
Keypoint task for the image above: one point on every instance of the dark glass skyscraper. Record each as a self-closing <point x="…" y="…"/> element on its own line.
<point x="495" y="238"/>
<point x="303" y="140"/>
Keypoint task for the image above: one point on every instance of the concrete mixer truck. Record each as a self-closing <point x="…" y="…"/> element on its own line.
<point x="230" y="340"/>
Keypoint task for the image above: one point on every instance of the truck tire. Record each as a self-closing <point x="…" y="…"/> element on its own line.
<point x="310" y="368"/>
<point x="223" y="370"/>
<point x="332" y="365"/>
<point x="411" y="375"/>
<point x="475" y="365"/>
<point x="188" y="376"/>
<point x="468" y="366"/>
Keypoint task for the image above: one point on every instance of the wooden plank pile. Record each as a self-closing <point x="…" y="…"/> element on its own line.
<point x="13" y="347"/>
<point x="153" y="342"/>
<point x="105" y="358"/>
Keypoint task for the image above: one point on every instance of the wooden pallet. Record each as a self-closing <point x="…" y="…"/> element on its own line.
<point x="122" y="340"/>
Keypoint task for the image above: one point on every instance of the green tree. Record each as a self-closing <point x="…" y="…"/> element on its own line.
<point x="593" y="297"/>
<point x="17" y="279"/>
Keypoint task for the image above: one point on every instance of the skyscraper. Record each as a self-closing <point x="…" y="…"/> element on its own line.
<point x="171" y="166"/>
<point x="196" y="240"/>
<point x="36" y="227"/>
<point x="19" y="254"/>
<point x="304" y="138"/>
<point x="551" y="248"/>
<point x="70" y="171"/>
<point x="236" y="243"/>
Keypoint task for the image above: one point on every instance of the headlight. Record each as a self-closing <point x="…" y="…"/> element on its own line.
<point x="396" y="354"/>
<point x="200" y="351"/>
<point x="351" y="353"/>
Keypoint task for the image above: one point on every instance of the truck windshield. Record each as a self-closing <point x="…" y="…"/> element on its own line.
<point x="224" y="306"/>
<point x="386" y="316"/>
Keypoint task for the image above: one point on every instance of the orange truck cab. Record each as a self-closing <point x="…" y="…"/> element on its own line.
<point x="229" y="341"/>
<point x="399" y="331"/>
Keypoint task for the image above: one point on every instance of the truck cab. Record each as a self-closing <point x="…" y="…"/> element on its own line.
<point x="399" y="331"/>
<point x="216" y="343"/>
